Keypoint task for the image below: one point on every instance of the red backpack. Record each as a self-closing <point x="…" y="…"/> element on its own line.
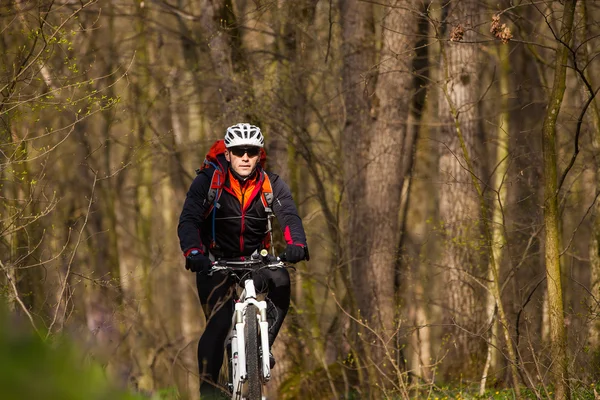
<point x="216" y="158"/>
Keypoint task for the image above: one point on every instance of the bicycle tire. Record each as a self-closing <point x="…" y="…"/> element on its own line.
<point x="253" y="364"/>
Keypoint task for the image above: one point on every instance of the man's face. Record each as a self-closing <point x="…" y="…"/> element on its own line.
<point x="243" y="159"/>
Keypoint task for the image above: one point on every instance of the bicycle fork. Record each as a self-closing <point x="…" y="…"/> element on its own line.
<point x="238" y="350"/>
<point x="264" y="341"/>
<point x="238" y="343"/>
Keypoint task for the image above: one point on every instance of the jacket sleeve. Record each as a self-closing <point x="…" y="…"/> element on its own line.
<point x="286" y="212"/>
<point x="192" y="214"/>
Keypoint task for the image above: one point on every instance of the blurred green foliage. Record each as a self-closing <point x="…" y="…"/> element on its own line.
<point x="32" y="368"/>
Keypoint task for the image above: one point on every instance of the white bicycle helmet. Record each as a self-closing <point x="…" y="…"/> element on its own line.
<point x="244" y="135"/>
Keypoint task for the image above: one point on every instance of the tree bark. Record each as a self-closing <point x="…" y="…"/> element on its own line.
<point x="384" y="179"/>
<point x="558" y="338"/>
<point x="459" y="202"/>
<point x="582" y="40"/>
<point x="358" y="60"/>
<point x="216" y="31"/>
<point x="498" y="203"/>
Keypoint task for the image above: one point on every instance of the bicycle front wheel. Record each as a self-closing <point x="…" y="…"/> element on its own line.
<point x="253" y="364"/>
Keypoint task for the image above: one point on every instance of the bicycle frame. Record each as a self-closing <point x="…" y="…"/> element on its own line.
<point x="248" y="372"/>
<point x="237" y="339"/>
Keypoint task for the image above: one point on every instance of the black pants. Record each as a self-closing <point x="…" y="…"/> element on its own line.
<point x="216" y="296"/>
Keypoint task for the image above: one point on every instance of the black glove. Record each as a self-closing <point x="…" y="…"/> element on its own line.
<point x="294" y="253"/>
<point x="197" y="262"/>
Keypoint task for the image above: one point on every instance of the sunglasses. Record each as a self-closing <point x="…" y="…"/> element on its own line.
<point x="240" y="151"/>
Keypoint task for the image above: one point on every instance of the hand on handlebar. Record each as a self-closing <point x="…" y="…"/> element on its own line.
<point x="197" y="262"/>
<point x="294" y="253"/>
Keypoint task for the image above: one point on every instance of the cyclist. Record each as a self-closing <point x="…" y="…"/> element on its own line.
<point x="239" y="227"/>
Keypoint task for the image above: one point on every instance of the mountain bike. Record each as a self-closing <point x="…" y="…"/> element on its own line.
<point x="248" y="341"/>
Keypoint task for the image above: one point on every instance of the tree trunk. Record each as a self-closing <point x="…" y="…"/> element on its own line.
<point x="594" y="251"/>
<point x="384" y="179"/>
<point x="558" y="339"/>
<point x="459" y="202"/>
<point x="594" y="245"/>
<point x="422" y="208"/>
<point x="287" y="123"/>
<point x="215" y="32"/>
<point x="417" y="278"/>
<point x="498" y="203"/>
<point x="358" y="52"/>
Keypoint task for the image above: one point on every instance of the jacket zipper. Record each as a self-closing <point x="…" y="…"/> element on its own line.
<point x="243" y="221"/>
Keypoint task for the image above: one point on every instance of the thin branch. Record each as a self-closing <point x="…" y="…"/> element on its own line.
<point x="38" y="55"/>
<point x="523" y="309"/>
<point x="593" y="94"/>
<point x="580" y="222"/>
<point x="68" y="273"/>
<point x="18" y="298"/>
<point x="330" y="31"/>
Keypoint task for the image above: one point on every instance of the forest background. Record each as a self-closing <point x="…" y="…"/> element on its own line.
<point x="443" y="156"/>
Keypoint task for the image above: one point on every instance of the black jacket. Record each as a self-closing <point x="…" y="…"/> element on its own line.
<point x="237" y="232"/>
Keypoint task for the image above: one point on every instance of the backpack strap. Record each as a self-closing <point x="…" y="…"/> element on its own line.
<point x="267" y="200"/>
<point x="216" y="188"/>
<point x="212" y="197"/>
<point x="267" y="194"/>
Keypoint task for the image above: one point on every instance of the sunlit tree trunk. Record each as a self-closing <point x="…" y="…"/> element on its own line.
<point x="187" y="299"/>
<point x="144" y="198"/>
<point x="459" y="204"/>
<point x="8" y="196"/>
<point x="558" y="340"/>
<point x="384" y="179"/>
<point x="416" y="246"/>
<point x="500" y="166"/>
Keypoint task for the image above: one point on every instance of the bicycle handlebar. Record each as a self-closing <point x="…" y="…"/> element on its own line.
<point x="249" y="263"/>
